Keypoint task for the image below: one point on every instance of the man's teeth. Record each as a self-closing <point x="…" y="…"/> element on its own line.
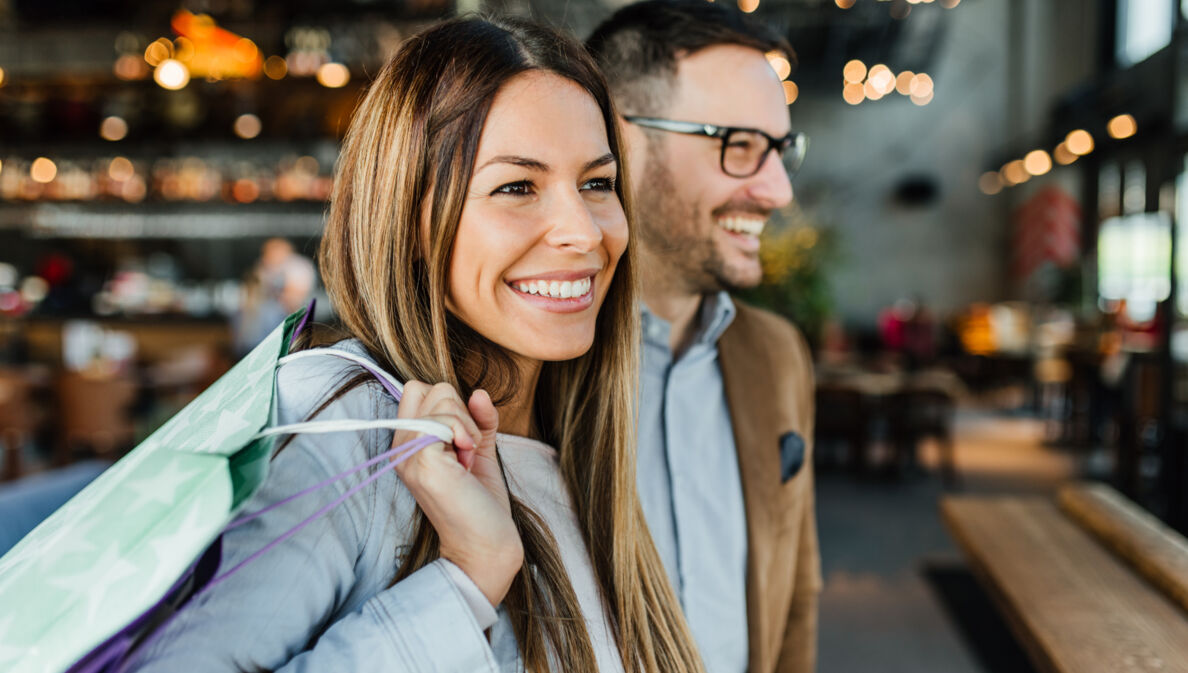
<point x="742" y="225"/>
<point x="556" y="289"/>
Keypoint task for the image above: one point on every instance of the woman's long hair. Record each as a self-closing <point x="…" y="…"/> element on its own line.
<point x="409" y="153"/>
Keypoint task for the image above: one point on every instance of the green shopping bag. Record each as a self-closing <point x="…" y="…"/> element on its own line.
<point x="86" y="584"/>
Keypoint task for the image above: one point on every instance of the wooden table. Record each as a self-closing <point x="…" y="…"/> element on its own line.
<point x="1073" y="603"/>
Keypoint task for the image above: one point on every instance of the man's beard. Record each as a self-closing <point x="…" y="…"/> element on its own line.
<point x="676" y="233"/>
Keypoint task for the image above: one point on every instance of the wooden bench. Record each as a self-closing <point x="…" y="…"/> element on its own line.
<point x="1088" y="581"/>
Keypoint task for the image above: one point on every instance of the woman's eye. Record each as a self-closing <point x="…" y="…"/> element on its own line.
<point x="600" y="184"/>
<point x="521" y="188"/>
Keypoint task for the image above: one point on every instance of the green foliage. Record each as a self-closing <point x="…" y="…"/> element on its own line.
<point x="796" y="260"/>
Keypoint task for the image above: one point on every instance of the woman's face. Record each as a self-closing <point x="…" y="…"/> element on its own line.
<point x="542" y="227"/>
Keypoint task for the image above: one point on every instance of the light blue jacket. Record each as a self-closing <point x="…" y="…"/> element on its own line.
<point x="322" y="600"/>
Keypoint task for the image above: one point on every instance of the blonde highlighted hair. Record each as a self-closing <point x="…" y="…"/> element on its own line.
<point x="409" y="154"/>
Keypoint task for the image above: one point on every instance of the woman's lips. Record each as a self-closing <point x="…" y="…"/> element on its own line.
<point x="550" y="295"/>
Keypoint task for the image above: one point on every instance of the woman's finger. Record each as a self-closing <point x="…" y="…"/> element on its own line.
<point x="411" y="399"/>
<point x="444" y="399"/>
<point x="482" y="410"/>
<point x="454" y="414"/>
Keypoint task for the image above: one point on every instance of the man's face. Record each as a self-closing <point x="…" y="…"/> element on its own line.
<point x="698" y="221"/>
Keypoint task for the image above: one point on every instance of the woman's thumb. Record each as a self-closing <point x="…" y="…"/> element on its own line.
<point x="482" y="410"/>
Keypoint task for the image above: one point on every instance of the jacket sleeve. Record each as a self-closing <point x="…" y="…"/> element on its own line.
<point x="798" y="653"/>
<point x="298" y="607"/>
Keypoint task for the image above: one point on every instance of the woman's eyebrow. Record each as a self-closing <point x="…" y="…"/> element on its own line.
<point x="542" y="167"/>
<point x="603" y="160"/>
<point x="526" y="162"/>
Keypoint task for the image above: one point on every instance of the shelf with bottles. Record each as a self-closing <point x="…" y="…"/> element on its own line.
<point x="232" y="178"/>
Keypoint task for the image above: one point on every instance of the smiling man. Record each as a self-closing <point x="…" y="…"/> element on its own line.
<point x="726" y="407"/>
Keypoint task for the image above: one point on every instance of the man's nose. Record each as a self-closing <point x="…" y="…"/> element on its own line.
<point x="771" y="186"/>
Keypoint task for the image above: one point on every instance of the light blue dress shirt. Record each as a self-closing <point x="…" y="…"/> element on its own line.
<point x="689" y="483"/>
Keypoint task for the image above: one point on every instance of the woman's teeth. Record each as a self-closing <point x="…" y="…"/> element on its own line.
<point x="556" y="289"/>
<point x="742" y="225"/>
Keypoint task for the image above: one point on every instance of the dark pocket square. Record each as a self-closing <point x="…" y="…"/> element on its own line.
<point x="791" y="455"/>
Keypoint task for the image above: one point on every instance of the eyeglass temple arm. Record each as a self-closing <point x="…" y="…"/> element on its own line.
<point x="677" y="126"/>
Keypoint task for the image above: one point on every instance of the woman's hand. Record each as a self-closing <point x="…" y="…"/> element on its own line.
<point x="460" y="487"/>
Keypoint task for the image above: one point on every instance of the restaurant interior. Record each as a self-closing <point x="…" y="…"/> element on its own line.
<point x="987" y="253"/>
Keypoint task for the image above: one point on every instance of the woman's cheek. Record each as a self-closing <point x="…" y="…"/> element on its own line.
<point x="615" y="234"/>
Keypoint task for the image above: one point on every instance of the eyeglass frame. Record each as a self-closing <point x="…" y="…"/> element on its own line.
<point x="794" y="139"/>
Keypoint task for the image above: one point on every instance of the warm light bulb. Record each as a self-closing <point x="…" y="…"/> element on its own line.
<point x="113" y="128"/>
<point x="791" y="92"/>
<point x="1037" y="162"/>
<point x="1063" y="155"/>
<point x="158" y="52"/>
<point x="130" y="67"/>
<point x="247" y="126"/>
<point x="276" y="67"/>
<point x="1122" y="126"/>
<point x="120" y="169"/>
<point x="1016" y="172"/>
<point x="882" y="78"/>
<point x="172" y="74"/>
<point x="872" y="91"/>
<point x="43" y="170"/>
<point x="1079" y="142"/>
<point x="921" y="86"/>
<point x="748" y="6"/>
<point x="903" y="83"/>
<point x="853" y="93"/>
<point x="780" y="64"/>
<point x="333" y="75"/>
<point x="990" y="183"/>
<point x="855" y="71"/>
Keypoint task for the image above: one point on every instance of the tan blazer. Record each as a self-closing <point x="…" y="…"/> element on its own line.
<point x="768" y="376"/>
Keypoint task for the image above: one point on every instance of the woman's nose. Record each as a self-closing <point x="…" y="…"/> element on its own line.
<point x="572" y="226"/>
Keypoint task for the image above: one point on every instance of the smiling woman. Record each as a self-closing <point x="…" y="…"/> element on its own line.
<point x="477" y="248"/>
<point x="536" y="227"/>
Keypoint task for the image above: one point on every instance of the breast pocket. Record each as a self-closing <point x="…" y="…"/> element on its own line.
<point x="793" y="450"/>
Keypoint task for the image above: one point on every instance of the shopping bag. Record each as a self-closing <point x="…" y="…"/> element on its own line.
<point x="97" y="576"/>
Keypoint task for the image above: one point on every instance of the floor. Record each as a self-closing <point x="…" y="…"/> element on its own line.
<point x="897" y="595"/>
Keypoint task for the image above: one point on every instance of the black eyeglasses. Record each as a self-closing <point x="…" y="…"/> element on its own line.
<point x="743" y="149"/>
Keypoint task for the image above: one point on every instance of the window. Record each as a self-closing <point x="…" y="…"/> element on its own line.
<point x="1144" y="27"/>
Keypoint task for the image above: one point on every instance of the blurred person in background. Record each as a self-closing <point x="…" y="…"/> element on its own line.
<point x="726" y="409"/>
<point x="281" y="282"/>
<point x="477" y="248"/>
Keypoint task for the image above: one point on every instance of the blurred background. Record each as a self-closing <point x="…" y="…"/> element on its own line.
<point x="986" y="252"/>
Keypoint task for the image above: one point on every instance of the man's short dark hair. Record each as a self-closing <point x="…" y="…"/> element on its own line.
<point x="639" y="45"/>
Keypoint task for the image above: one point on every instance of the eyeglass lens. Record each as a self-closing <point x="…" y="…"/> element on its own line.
<point x="744" y="151"/>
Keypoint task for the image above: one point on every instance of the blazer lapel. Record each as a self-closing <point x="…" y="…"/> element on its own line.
<point x="748" y="381"/>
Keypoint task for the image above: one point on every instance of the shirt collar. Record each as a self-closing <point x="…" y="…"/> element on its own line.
<point x="715" y="315"/>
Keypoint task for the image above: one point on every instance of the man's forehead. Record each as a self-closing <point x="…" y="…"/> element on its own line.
<point x="729" y="85"/>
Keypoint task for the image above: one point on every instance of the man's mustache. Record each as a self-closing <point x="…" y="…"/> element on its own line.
<point x="735" y="207"/>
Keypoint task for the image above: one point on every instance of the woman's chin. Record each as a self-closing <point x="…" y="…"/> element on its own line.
<point x="559" y="352"/>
